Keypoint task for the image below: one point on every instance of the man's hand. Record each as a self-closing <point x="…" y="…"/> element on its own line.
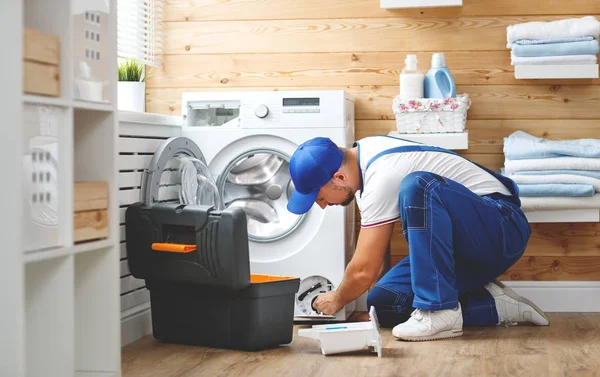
<point x="328" y="303"/>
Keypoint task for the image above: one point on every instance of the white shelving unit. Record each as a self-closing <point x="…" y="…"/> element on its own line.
<point x="448" y="140"/>
<point x="460" y="141"/>
<point x="575" y="71"/>
<point x="61" y="315"/>
<point x="563" y="216"/>
<point x="398" y="4"/>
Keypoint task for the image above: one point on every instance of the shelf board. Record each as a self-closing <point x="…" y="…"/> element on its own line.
<point x="563" y="216"/>
<point x="43" y="100"/>
<point x="42" y="255"/>
<point x="59" y="101"/>
<point x="94" y="106"/>
<point x="448" y="140"/>
<point x="91" y="246"/>
<point x="399" y="4"/>
<point x="542" y="71"/>
<point x="80" y="373"/>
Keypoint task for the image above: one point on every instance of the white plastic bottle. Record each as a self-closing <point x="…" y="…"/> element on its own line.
<point x="411" y="79"/>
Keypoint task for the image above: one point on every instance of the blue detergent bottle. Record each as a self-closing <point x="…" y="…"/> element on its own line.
<point x="439" y="82"/>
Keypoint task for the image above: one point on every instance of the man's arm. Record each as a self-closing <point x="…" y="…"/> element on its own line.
<point x="364" y="268"/>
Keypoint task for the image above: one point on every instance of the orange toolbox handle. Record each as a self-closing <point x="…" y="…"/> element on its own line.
<point x="173" y="247"/>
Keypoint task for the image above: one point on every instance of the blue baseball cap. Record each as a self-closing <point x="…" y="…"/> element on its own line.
<point x="312" y="165"/>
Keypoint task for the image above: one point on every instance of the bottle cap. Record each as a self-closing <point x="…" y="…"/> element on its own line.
<point x="438" y="60"/>
<point x="411" y="62"/>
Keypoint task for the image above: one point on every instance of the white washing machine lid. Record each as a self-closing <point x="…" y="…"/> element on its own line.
<point x="178" y="172"/>
<point x="257" y="181"/>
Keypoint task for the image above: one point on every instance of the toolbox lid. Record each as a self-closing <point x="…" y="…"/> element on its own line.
<point x="192" y="244"/>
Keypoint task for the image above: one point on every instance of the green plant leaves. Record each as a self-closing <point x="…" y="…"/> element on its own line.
<point x="131" y="70"/>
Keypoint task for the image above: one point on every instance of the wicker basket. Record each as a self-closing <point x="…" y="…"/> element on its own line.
<point x="431" y="115"/>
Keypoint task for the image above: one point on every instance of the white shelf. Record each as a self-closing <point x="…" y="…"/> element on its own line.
<point x="83" y="105"/>
<point x="92" y="246"/>
<point x="577" y="71"/>
<point x="95" y="374"/>
<point x="398" y="4"/>
<point x="43" y="100"/>
<point x="563" y="216"/>
<point x="447" y="140"/>
<point x="43" y="255"/>
<point x="61" y="314"/>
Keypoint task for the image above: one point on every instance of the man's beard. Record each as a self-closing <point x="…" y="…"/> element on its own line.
<point x="349" y="199"/>
<point x="349" y="194"/>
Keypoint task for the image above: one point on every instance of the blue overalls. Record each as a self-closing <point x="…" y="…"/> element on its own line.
<point x="458" y="241"/>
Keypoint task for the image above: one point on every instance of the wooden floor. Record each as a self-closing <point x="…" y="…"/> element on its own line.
<point x="570" y="346"/>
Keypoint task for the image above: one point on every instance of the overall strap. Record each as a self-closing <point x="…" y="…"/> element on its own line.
<point x="408" y="148"/>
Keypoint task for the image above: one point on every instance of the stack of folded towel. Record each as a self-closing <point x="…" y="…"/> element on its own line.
<point x="553" y="174"/>
<point x="570" y="41"/>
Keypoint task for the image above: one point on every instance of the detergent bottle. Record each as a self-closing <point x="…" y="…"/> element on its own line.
<point x="411" y="79"/>
<point x="439" y="82"/>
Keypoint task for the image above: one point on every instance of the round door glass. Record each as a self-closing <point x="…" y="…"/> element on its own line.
<point x="187" y="180"/>
<point x="259" y="183"/>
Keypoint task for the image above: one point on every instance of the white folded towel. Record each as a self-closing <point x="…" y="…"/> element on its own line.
<point x="558" y="203"/>
<point x="571" y="27"/>
<point x="556" y="163"/>
<point x="563" y="59"/>
<point x="556" y="178"/>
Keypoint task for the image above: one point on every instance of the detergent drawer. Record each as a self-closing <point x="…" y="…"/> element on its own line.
<point x="188" y="244"/>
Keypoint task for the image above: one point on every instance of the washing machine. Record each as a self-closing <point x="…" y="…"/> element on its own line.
<point x="244" y="141"/>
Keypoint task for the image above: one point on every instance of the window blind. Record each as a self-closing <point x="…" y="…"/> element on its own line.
<point x="140" y="30"/>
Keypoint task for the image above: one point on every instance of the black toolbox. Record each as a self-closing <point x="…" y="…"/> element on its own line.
<point x="196" y="266"/>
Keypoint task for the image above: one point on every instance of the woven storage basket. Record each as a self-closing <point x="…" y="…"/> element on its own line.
<point x="431" y="115"/>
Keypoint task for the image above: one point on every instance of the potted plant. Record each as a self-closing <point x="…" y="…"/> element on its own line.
<point x="132" y="86"/>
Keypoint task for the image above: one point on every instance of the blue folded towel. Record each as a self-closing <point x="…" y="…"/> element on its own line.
<point x="586" y="173"/>
<point x="557" y="49"/>
<point x="525" y="42"/>
<point x="556" y="189"/>
<point x="520" y="145"/>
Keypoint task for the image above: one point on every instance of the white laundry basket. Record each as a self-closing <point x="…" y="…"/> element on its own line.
<point x="431" y="115"/>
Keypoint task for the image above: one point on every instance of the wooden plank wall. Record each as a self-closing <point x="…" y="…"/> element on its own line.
<point x="215" y="45"/>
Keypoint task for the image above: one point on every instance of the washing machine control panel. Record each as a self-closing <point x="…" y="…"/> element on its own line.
<point x="267" y="109"/>
<point x="301" y="105"/>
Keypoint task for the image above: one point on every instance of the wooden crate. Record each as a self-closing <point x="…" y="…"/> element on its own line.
<point x="90" y="214"/>
<point x="41" y="63"/>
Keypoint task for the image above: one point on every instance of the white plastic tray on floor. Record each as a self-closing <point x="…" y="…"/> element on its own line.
<point x="346" y="337"/>
<point x="563" y="216"/>
<point x="396" y="4"/>
<point x="447" y="140"/>
<point x="543" y="71"/>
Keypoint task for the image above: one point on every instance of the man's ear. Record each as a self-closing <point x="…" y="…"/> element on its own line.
<point x="340" y="176"/>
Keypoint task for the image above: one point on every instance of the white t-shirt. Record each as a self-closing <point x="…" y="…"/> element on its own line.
<point x="378" y="201"/>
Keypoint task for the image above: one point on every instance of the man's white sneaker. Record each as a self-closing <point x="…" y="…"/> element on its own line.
<point x="513" y="308"/>
<point x="431" y="325"/>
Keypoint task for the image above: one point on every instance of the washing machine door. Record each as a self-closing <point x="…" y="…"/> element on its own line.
<point x="258" y="181"/>
<point x="178" y="173"/>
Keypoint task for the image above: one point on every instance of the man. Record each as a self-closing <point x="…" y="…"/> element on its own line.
<point x="462" y="222"/>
